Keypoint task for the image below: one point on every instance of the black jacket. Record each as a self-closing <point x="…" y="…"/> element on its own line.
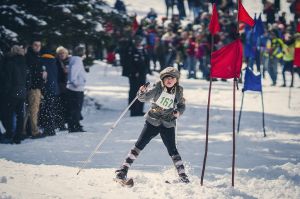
<point x="139" y="59"/>
<point x="15" y="72"/>
<point x="62" y="74"/>
<point x="35" y="78"/>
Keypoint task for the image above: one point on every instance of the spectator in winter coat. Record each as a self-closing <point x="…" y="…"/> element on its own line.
<point x="169" y="5"/>
<point x="275" y="55"/>
<point x="124" y="49"/>
<point x="62" y="61"/>
<point x="295" y="8"/>
<point x="120" y="6"/>
<point x="151" y="44"/>
<point x="170" y="55"/>
<point x="168" y="104"/>
<point x="181" y="9"/>
<point x="191" y="57"/>
<point x="15" y="93"/>
<point x="262" y="43"/>
<point x="48" y="111"/>
<point x="288" y="58"/>
<point x="75" y="89"/>
<point x="137" y="75"/>
<point x="270" y="11"/>
<point x="35" y="82"/>
<point x="152" y="15"/>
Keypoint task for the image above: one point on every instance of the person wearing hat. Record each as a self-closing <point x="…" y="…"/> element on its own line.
<point x="168" y="104"/>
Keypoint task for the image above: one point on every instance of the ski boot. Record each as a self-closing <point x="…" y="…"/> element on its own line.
<point x="121" y="174"/>
<point x="122" y="179"/>
<point x="184" y="178"/>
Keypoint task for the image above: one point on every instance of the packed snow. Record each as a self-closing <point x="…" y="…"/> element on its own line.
<point x="266" y="167"/>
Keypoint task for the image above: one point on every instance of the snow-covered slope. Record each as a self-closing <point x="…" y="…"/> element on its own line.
<point x="265" y="167"/>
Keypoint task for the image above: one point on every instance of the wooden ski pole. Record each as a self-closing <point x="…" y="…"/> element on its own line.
<point x="108" y="133"/>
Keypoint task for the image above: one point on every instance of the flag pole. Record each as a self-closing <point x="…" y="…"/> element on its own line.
<point x="233" y="133"/>
<point x="263" y="113"/>
<point x="233" y="114"/>
<point x="207" y="115"/>
<point x="206" y="138"/>
<point x="240" y="115"/>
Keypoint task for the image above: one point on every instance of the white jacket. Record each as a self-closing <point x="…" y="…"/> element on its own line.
<point x="76" y="74"/>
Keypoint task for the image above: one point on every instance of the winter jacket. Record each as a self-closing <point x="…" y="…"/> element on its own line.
<point x="15" y="77"/>
<point x="288" y="50"/>
<point x="35" y="78"/>
<point x="51" y="85"/>
<point x="139" y="61"/>
<point x="120" y="6"/>
<point x="276" y="48"/>
<point x="76" y="74"/>
<point x="157" y="115"/>
<point x="125" y="51"/>
<point x="62" y="74"/>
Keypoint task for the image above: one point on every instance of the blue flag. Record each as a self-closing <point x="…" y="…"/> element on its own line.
<point x="258" y="28"/>
<point x="250" y="43"/>
<point x="252" y="82"/>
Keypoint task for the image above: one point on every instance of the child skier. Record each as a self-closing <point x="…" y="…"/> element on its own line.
<point x="168" y="104"/>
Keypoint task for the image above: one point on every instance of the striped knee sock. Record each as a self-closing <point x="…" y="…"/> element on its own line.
<point x="132" y="155"/>
<point x="178" y="164"/>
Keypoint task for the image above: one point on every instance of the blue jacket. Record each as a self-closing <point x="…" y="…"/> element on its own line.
<point x="51" y="85"/>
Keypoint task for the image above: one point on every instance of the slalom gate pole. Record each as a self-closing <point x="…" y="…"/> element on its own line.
<point x="206" y="137"/>
<point x="108" y="133"/>
<point x="240" y="115"/>
<point x="263" y="114"/>
<point x="233" y="133"/>
<point x="290" y="96"/>
<point x="207" y="113"/>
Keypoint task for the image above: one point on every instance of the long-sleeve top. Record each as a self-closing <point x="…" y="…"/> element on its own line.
<point x="158" y="115"/>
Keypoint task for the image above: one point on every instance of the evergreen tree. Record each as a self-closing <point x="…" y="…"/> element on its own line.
<point x="56" y="22"/>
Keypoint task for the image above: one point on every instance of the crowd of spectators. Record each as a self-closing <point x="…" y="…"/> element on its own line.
<point x="41" y="91"/>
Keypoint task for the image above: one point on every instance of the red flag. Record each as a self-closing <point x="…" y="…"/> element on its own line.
<point x="243" y="15"/>
<point x="297" y="53"/>
<point x="227" y="62"/>
<point x="135" y="25"/>
<point x="214" y="26"/>
<point x="298" y="27"/>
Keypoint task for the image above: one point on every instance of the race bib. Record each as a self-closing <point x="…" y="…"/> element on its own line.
<point x="165" y="100"/>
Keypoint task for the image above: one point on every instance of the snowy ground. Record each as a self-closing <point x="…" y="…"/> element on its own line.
<point x="265" y="167"/>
